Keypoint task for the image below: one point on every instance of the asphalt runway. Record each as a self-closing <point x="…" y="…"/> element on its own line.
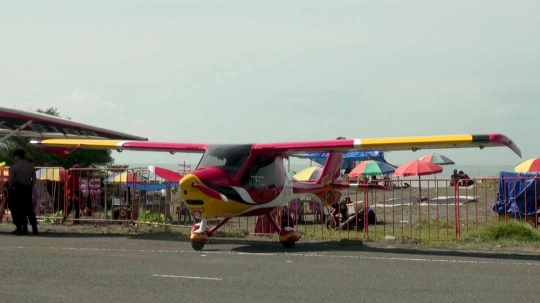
<point x="106" y="268"/>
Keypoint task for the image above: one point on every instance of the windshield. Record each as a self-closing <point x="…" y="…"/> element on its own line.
<point x="228" y="158"/>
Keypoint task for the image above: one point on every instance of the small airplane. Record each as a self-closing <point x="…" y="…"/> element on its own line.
<point x="234" y="180"/>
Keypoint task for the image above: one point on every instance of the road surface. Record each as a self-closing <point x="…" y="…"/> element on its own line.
<point x="107" y="268"/>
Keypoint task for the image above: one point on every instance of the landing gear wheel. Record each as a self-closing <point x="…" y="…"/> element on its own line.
<point x="197" y="245"/>
<point x="289" y="244"/>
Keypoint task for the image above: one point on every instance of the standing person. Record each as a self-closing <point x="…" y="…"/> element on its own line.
<point x="22" y="178"/>
<point x="455" y="177"/>
<point x="72" y="191"/>
<point x="13" y="210"/>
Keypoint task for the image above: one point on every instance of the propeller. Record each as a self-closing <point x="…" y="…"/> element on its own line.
<point x="210" y="192"/>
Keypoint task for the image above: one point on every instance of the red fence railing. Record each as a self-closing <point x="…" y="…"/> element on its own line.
<point x="428" y="209"/>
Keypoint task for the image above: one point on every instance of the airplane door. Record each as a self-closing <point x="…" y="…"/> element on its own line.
<point x="261" y="180"/>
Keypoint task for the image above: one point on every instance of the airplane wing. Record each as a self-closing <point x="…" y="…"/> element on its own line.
<point x="36" y="125"/>
<point x="289" y="148"/>
<point x="393" y="144"/>
<point x="119" y="145"/>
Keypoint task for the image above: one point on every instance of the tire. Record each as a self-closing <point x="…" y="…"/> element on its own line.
<point x="197" y="245"/>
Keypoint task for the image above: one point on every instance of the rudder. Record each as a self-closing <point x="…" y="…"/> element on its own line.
<point x="332" y="167"/>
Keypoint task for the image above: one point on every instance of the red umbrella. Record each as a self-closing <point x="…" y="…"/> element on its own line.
<point x="418" y="168"/>
<point x="166" y="174"/>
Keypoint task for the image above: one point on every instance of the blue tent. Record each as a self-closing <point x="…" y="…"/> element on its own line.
<point x="348" y="158"/>
<point x="151" y="187"/>
<point x="518" y="194"/>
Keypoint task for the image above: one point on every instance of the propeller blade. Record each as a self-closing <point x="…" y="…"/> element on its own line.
<point x="211" y="193"/>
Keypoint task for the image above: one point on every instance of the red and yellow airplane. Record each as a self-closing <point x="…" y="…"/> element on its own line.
<point x="235" y="179"/>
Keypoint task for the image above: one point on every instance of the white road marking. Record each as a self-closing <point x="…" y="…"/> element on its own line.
<point x="288" y="261"/>
<point x="305" y="255"/>
<point x="187" y="277"/>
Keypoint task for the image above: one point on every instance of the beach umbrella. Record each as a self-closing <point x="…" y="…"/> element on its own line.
<point x="57" y="174"/>
<point x="437" y="159"/>
<point x="309" y="174"/>
<point x="371" y="168"/>
<point x="528" y="166"/>
<point x="125" y="177"/>
<point x="166" y="174"/>
<point x="418" y="168"/>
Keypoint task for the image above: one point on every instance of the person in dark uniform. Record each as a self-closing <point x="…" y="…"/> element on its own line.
<point x="22" y="178"/>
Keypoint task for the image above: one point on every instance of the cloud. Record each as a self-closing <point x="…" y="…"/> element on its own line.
<point x="82" y="99"/>
<point x="87" y="107"/>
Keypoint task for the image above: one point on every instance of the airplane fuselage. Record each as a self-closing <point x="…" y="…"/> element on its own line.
<point x="234" y="180"/>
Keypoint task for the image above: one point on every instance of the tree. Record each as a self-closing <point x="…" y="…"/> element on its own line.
<point x="40" y="157"/>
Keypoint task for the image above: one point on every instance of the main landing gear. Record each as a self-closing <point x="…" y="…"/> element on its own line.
<point x="200" y="233"/>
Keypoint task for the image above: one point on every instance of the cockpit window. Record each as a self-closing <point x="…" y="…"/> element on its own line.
<point x="229" y="158"/>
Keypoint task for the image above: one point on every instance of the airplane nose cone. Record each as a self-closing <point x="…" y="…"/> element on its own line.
<point x="187" y="185"/>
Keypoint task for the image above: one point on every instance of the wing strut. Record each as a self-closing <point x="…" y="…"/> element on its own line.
<point x="11" y="134"/>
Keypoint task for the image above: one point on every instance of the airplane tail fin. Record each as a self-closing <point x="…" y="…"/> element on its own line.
<point x="331" y="169"/>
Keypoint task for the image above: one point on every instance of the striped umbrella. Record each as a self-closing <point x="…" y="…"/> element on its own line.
<point x="528" y="166"/>
<point x="418" y="168"/>
<point x="437" y="159"/>
<point x="371" y="168"/>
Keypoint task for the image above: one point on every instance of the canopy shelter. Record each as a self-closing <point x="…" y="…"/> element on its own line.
<point x="125" y="177"/>
<point x="57" y="174"/>
<point x="349" y="158"/>
<point x="518" y="194"/>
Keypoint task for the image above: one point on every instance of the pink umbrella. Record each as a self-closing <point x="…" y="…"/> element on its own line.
<point x="166" y="174"/>
<point x="418" y="168"/>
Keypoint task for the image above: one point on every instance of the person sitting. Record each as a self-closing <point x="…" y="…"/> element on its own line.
<point x="464" y="179"/>
<point x="387" y="181"/>
<point x="362" y="179"/>
<point x="455" y="178"/>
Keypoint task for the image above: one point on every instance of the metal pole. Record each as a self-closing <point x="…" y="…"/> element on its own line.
<point x="15" y="131"/>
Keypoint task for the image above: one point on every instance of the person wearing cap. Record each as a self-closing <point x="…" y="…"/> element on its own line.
<point x="22" y="178"/>
<point x="72" y="191"/>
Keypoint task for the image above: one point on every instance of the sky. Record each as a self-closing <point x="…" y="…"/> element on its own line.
<point x="270" y="71"/>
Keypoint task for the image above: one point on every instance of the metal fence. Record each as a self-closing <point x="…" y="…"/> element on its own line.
<point x="428" y="209"/>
